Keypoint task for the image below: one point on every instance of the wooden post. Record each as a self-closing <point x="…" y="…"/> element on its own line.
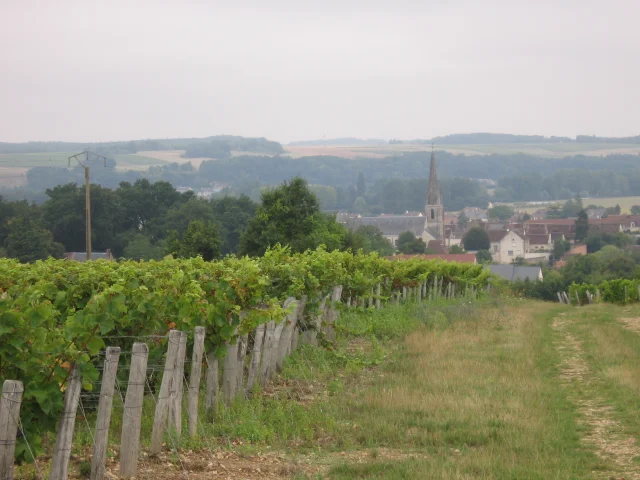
<point x="101" y="437"/>
<point x="275" y="349"/>
<point x="404" y="293"/>
<point x="289" y="323"/>
<point x="267" y="346"/>
<point x="213" y="384"/>
<point x="419" y="293"/>
<point x="62" y="449"/>
<point x="302" y="305"/>
<point x="164" y="395"/>
<point x="560" y="299"/>
<point x="598" y="294"/>
<point x="243" y="344"/>
<point x="589" y="297"/>
<point x="577" y="298"/>
<point x="175" y="407"/>
<point x="566" y="298"/>
<point x="256" y="355"/>
<point x="230" y="373"/>
<point x="294" y="339"/>
<point x="378" y="293"/>
<point x="132" y="413"/>
<point x="332" y="313"/>
<point x="9" y="417"/>
<point x="194" y="380"/>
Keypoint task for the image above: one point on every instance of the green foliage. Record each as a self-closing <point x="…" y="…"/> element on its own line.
<point x="635" y="210"/>
<point x="200" y="239"/>
<point x="501" y="212"/>
<point x="290" y="215"/>
<point x="28" y="242"/>
<point x="476" y="238"/>
<point x="408" y="243"/>
<point x="141" y="248"/>
<point x="597" y="240"/>
<point x="368" y="238"/>
<point x="456" y="249"/>
<point x="582" y="226"/>
<point x="560" y="247"/>
<point x="484" y="256"/>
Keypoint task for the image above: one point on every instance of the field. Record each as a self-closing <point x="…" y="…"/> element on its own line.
<point x="551" y="150"/>
<point x="625" y="204"/>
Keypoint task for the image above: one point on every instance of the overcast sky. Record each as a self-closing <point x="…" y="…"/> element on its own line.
<point x="293" y="69"/>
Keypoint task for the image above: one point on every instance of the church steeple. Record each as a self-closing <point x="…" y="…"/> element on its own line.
<point x="434" y="210"/>
<point x="433" y="194"/>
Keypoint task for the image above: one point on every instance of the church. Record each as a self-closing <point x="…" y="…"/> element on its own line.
<point x="428" y="225"/>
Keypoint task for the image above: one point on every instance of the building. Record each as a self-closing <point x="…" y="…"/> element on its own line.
<point x="506" y="246"/>
<point x="475" y="213"/>
<point x="82" y="256"/>
<point x="434" y="210"/>
<point x="564" y="226"/>
<point x="428" y="226"/>
<point x="514" y="273"/>
<point x="447" y="257"/>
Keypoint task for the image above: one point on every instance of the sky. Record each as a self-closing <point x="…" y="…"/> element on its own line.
<point x="291" y="70"/>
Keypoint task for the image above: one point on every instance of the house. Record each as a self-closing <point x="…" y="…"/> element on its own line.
<point x="450" y="220"/>
<point x="506" y="245"/>
<point x="565" y="226"/>
<point x="437" y="246"/>
<point x="447" y="257"/>
<point x="514" y="273"/>
<point x="453" y="235"/>
<point x="595" y="212"/>
<point x="391" y="226"/>
<point x="82" y="256"/>
<point x="538" y="242"/>
<point x="576" y="250"/>
<point x="475" y="213"/>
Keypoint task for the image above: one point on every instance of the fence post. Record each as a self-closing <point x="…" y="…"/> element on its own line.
<point x="577" y="298"/>
<point x="229" y="372"/>
<point x="213" y="383"/>
<point x="175" y="406"/>
<point x="256" y="355"/>
<point x="404" y="293"/>
<point x="267" y="346"/>
<point x="194" y="380"/>
<point x="560" y="299"/>
<point x="243" y="344"/>
<point x="290" y="321"/>
<point x="9" y="417"/>
<point x="62" y="449"/>
<point x="132" y="413"/>
<point x="378" y="292"/>
<point x="598" y="294"/>
<point x="101" y="438"/>
<point x="164" y="396"/>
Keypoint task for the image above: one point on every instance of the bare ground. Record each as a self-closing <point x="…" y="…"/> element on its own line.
<point x="604" y="433"/>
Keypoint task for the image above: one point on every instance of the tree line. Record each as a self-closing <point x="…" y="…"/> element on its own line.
<point x="145" y="221"/>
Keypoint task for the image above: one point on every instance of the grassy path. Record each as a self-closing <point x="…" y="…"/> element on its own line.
<point x="600" y="352"/>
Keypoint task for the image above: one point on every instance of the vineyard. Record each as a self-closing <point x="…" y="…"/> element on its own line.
<point x="620" y="291"/>
<point x="61" y="322"/>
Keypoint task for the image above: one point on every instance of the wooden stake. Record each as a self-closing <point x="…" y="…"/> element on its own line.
<point x="64" y="439"/>
<point x="9" y="418"/>
<point x="194" y="380"/>
<point x="132" y="414"/>
<point x="378" y="293"/>
<point x="175" y="407"/>
<point x="256" y="355"/>
<point x="164" y="396"/>
<point x="213" y="384"/>
<point x="289" y="324"/>
<point x="230" y="373"/>
<point x="267" y="346"/>
<point x="101" y="437"/>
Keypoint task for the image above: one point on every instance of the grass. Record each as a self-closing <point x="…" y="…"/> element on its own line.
<point x="29" y="160"/>
<point x="455" y="390"/>
<point x="136" y="162"/>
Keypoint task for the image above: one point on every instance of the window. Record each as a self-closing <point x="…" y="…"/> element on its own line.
<point x="433" y="214"/>
<point x="510" y="253"/>
<point x="495" y="249"/>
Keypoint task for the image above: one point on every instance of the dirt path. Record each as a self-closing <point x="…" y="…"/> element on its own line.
<point x="603" y="432"/>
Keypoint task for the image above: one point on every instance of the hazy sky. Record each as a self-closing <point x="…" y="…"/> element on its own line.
<point x="293" y="69"/>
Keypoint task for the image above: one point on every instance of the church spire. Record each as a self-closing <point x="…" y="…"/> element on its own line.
<point x="433" y="194"/>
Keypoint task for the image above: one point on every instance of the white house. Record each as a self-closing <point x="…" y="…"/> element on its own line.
<point x="506" y="245"/>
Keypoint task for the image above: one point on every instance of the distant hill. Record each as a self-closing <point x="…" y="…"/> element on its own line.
<point x="338" y="142"/>
<point x="508" y="138"/>
<point x="207" y="146"/>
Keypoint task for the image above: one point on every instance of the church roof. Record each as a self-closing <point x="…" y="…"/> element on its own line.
<point x="391" y="224"/>
<point x="433" y="194"/>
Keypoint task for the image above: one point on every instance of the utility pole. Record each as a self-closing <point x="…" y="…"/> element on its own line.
<point x="87" y="194"/>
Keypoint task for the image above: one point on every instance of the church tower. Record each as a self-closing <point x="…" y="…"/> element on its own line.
<point x="433" y="210"/>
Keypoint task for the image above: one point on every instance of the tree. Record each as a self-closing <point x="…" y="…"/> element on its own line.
<point x="28" y="241"/>
<point x="560" y="247"/>
<point x="501" y="212"/>
<point x="289" y="215"/>
<point x="368" y="238"/>
<point x="233" y="215"/>
<point x="526" y="217"/>
<point x="463" y="220"/>
<point x="635" y="210"/>
<point x="484" y="256"/>
<point x="613" y="210"/>
<point x="476" y="238"/>
<point x="141" y="248"/>
<point x="582" y="226"/>
<point x="456" y="249"/>
<point x="200" y="239"/>
<point x="408" y="243"/>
